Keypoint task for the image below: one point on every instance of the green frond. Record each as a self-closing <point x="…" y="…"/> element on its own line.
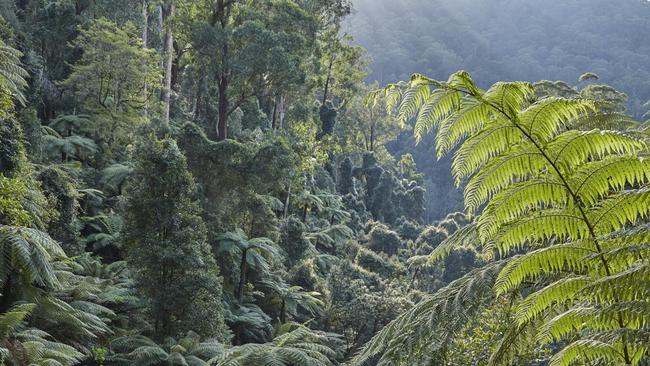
<point x="628" y="285"/>
<point x="520" y="199"/>
<point x="12" y="74"/>
<point x="501" y="173"/>
<point x="569" y="257"/>
<point x="605" y="121"/>
<point x="544" y="225"/>
<point x="440" y="105"/>
<point x="412" y="99"/>
<point x="10" y="320"/>
<point x="509" y="98"/>
<point x="469" y="120"/>
<point x="463" y="80"/>
<point x="393" y="95"/>
<point x="29" y="252"/>
<point x="584" y="351"/>
<point x="544" y="119"/>
<point x="148" y="355"/>
<point x="621" y="210"/>
<point x="464" y="237"/>
<point x="574" y="148"/>
<point x="430" y="325"/>
<point x="594" y="181"/>
<point x="493" y="140"/>
<point x="558" y="293"/>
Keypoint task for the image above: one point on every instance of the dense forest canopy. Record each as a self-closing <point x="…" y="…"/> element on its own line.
<point x="216" y="182"/>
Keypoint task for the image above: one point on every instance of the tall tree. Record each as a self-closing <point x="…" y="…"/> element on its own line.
<point x="168" y="13"/>
<point x="248" y="48"/>
<point x="166" y="244"/>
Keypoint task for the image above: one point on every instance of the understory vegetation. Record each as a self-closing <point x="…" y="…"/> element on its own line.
<point x="213" y="182"/>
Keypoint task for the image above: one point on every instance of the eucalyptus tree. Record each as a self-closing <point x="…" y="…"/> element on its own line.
<point x="108" y="81"/>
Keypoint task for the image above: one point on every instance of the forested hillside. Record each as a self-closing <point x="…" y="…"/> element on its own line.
<point x="213" y="182"/>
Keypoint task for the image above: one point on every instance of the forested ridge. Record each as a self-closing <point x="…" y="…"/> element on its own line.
<point x="214" y="182"/>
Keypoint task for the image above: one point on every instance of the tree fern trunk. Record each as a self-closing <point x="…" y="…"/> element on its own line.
<point x="243" y="268"/>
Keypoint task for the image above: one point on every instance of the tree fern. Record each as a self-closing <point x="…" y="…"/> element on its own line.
<point x="297" y="346"/>
<point x="12" y="74"/>
<point x="543" y="180"/>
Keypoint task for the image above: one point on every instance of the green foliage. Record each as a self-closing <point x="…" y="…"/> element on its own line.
<point x="12" y="78"/>
<point x="381" y="239"/>
<point x="538" y="186"/>
<point x="109" y="82"/>
<point x="140" y="350"/>
<point x="60" y="189"/>
<point x="295" y="344"/>
<point x="165" y="242"/>
<point x="33" y="346"/>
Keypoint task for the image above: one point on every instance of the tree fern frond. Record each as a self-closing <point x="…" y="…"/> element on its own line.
<point x="510" y="98"/>
<point x="544" y="119"/>
<point x="469" y="120"/>
<point x="595" y="180"/>
<point x="621" y="210"/>
<point x="478" y="150"/>
<point x="464" y="237"/>
<point x="440" y="105"/>
<point x="628" y="285"/>
<point x="584" y="351"/>
<point x="573" y="148"/>
<point x="520" y="199"/>
<point x="431" y="324"/>
<point x="501" y="173"/>
<point x="411" y="100"/>
<point x="548" y="224"/>
<point x="12" y="74"/>
<point x="556" y="294"/>
<point x="554" y="259"/>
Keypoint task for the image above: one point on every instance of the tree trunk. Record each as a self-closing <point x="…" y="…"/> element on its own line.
<point x="145" y="41"/>
<point x="243" y="268"/>
<point x="372" y="132"/>
<point x="275" y="114"/>
<point x="165" y="96"/>
<point x="222" y="15"/>
<point x="286" y="202"/>
<point x="283" y="312"/>
<point x="328" y="80"/>
<point x="222" y="123"/>
<point x="281" y="112"/>
<point x="6" y="299"/>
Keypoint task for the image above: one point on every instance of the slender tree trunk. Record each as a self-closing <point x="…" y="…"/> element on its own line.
<point x="372" y="132"/>
<point x="281" y="113"/>
<point x="145" y="41"/>
<point x="286" y="202"/>
<point x="222" y="15"/>
<point x="6" y="299"/>
<point x="243" y="268"/>
<point x="275" y="114"/>
<point x="283" y="312"/>
<point x="168" y="13"/>
<point x="224" y="105"/>
<point x="328" y="80"/>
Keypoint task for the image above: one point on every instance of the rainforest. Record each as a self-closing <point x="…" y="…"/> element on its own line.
<point x="324" y="182"/>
